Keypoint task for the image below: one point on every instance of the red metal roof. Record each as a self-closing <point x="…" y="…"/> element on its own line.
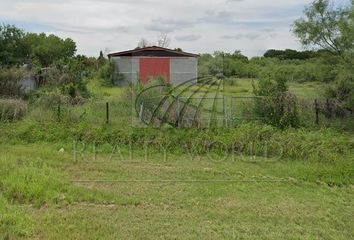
<point x="139" y="51"/>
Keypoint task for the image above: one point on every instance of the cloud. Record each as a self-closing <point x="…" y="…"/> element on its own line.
<point x="263" y="34"/>
<point x="195" y="26"/>
<point x="188" y="38"/>
<point x="168" y="25"/>
<point x="231" y="1"/>
<point x="249" y="36"/>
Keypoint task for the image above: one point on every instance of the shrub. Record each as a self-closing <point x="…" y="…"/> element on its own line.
<point x="69" y="76"/>
<point x="343" y="89"/>
<point x="75" y="90"/>
<point x="59" y="75"/>
<point x="12" y="110"/>
<point x="46" y="99"/>
<point x="279" y="110"/>
<point x="9" y="79"/>
<point x="278" y="107"/>
<point x="110" y="74"/>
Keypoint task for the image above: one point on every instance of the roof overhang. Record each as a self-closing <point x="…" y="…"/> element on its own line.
<point x="151" y="50"/>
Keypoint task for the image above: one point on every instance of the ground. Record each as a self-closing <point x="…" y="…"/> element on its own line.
<point x="184" y="198"/>
<point x="48" y="192"/>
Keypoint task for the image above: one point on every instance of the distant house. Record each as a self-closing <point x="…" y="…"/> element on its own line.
<point x="143" y="64"/>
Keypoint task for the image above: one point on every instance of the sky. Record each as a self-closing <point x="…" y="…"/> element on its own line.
<point x="196" y="26"/>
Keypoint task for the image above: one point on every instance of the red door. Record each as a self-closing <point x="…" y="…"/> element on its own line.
<point x="153" y="68"/>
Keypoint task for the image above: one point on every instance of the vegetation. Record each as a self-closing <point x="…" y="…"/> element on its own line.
<point x="277" y="199"/>
<point x="9" y="82"/>
<point x="43" y="184"/>
<point x="279" y="166"/>
<point x="331" y="29"/>
<point x="18" y="47"/>
<point x="278" y="106"/>
<point x="12" y="110"/>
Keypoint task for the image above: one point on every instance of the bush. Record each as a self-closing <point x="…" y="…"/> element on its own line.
<point x="279" y="110"/>
<point x="110" y="75"/>
<point x="47" y="99"/>
<point x="12" y="110"/>
<point x="68" y="75"/>
<point x="278" y="107"/>
<point x="343" y="89"/>
<point x="75" y="90"/>
<point x="9" y="82"/>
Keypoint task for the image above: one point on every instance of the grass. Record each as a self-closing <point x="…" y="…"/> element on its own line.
<point x="141" y="183"/>
<point x="238" y="95"/>
<point x="12" y="110"/>
<point x="243" y="88"/>
<point x="13" y="221"/>
<point x="177" y="197"/>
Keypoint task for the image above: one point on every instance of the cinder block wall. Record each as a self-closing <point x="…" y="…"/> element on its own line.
<point x="129" y="67"/>
<point x="184" y="69"/>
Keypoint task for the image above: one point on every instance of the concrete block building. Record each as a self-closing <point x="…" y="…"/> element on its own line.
<point x="143" y="64"/>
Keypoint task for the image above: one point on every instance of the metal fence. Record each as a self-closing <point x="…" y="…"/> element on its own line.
<point x="198" y="112"/>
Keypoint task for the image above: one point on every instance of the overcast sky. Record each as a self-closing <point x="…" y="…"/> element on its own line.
<point x="197" y="26"/>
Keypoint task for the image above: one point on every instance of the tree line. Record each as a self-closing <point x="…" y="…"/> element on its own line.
<point x="19" y="47"/>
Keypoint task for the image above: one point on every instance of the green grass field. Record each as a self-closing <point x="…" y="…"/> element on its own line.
<point x="243" y="88"/>
<point x="48" y="190"/>
<point x="158" y="198"/>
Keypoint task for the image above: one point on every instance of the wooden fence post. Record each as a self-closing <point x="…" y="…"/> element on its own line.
<point x="107" y="112"/>
<point x="328" y="109"/>
<point x="317" y="112"/>
<point x="59" y="111"/>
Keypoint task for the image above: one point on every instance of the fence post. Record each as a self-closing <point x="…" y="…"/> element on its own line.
<point x="225" y="112"/>
<point x="178" y="112"/>
<point x="328" y="109"/>
<point x="141" y="112"/>
<point x="317" y="111"/>
<point x="232" y="112"/>
<point x="107" y="112"/>
<point x="58" y="111"/>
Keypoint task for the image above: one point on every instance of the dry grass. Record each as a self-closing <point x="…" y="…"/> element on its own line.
<point x="12" y="110"/>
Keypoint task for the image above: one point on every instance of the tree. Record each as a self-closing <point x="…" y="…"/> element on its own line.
<point x="290" y="54"/>
<point x="101" y="57"/>
<point x="348" y="31"/>
<point x="13" y="50"/>
<point x="277" y="106"/>
<point x="49" y="49"/>
<point x="18" y="47"/>
<point x="163" y="40"/>
<point x="332" y="29"/>
<point x="143" y="43"/>
<point x="325" y="27"/>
